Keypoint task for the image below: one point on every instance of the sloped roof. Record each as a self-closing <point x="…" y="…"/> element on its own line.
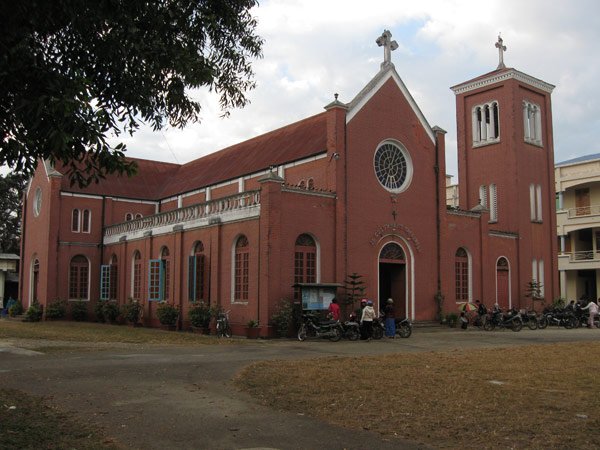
<point x="290" y="143"/>
<point x="578" y="160"/>
<point x="158" y="180"/>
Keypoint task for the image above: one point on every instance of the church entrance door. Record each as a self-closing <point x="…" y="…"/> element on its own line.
<point x="392" y="278"/>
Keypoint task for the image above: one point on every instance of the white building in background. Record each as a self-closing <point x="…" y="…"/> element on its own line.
<point x="578" y="226"/>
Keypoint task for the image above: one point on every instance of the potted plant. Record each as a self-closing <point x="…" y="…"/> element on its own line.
<point x="99" y="311"/>
<point x="252" y="330"/>
<point x="132" y="311"/>
<point x="452" y="319"/>
<point x="200" y="315"/>
<point x="56" y="310"/>
<point x="111" y="311"/>
<point x="167" y="315"/>
<point x="79" y="311"/>
<point x="34" y="312"/>
<point x="16" y="308"/>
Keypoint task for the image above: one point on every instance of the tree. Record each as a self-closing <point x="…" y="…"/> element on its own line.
<point x="11" y="194"/>
<point x="75" y="73"/>
<point x="355" y="288"/>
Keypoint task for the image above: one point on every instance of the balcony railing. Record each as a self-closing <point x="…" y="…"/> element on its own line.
<point x="585" y="255"/>
<point x="584" y="211"/>
<point x="212" y="208"/>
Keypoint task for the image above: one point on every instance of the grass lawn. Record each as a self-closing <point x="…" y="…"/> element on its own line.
<point x="542" y="396"/>
<point x="87" y="332"/>
<point x="30" y="423"/>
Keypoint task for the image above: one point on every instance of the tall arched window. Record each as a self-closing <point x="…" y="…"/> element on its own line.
<point x="461" y="271"/>
<point x="75" y="221"/>
<point x="79" y="278"/>
<point x="85" y="221"/>
<point x="241" y="269"/>
<point x="136" y="276"/>
<point x="114" y="277"/>
<point x="305" y="261"/>
<point x="35" y="279"/>
<point x="196" y="273"/>
<point x="164" y="256"/>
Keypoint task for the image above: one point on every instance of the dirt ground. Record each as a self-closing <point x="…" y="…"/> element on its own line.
<point x="155" y="397"/>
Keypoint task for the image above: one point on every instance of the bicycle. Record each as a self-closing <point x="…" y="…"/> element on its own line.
<point x="223" y="327"/>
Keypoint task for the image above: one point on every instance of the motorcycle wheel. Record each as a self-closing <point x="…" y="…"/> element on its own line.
<point x="542" y="322"/>
<point x="569" y="323"/>
<point x="353" y="334"/>
<point x="336" y="334"/>
<point x="227" y="332"/>
<point x="532" y="323"/>
<point x="581" y="322"/>
<point x="404" y="331"/>
<point x="377" y="332"/>
<point x="302" y="333"/>
<point x="517" y="325"/>
<point x="489" y="325"/>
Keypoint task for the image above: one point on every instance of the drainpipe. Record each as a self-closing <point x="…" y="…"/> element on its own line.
<point x="22" y="255"/>
<point x="437" y="212"/>
<point x="102" y="230"/>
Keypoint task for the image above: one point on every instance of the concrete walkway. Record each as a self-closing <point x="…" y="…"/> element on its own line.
<point x="158" y="397"/>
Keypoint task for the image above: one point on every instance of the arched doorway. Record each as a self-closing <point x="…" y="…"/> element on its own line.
<point x="392" y="277"/>
<point x="503" y="283"/>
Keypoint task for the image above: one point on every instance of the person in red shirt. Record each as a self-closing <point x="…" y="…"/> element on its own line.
<point x="334" y="309"/>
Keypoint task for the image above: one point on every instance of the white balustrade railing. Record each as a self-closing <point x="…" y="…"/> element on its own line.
<point x="585" y="255"/>
<point x="178" y="216"/>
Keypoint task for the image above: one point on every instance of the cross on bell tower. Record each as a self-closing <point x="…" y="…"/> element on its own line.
<point x="501" y="49"/>
<point x="385" y="41"/>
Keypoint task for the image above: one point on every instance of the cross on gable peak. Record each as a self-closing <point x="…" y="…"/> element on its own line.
<point x="385" y="41"/>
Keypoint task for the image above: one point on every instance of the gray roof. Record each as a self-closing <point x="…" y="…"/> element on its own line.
<point x="579" y="159"/>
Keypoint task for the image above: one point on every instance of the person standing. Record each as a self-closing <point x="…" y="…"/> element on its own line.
<point x="593" y="307"/>
<point x="359" y="312"/>
<point x="390" y="319"/>
<point x="334" y="309"/>
<point x="366" y="321"/>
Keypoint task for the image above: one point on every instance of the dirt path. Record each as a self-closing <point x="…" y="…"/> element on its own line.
<point x="156" y="397"/>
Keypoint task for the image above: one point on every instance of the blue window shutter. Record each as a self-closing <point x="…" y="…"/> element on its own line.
<point x="191" y="278"/>
<point x="104" y="282"/>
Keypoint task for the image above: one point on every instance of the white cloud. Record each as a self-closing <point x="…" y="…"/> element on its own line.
<point x="314" y="49"/>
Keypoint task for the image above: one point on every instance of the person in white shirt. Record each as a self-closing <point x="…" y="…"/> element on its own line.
<point x="593" y="307"/>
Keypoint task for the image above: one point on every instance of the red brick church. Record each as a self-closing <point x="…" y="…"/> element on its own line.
<point x="358" y="188"/>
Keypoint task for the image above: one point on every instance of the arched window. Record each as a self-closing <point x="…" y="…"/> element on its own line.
<point x="79" y="278"/>
<point x="241" y="269"/>
<point x="486" y="123"/>
<point x="75" y="221"/>
<point x="391" y="253"/>
<point x="166" y="272"/>
<point x="305" y="261"/>
<point x="461" y="270"/>
<point x="196" y="273"/>
<point x="532" y="123"/>
<point x="136" y="276"/>
<point x="35" y="279"/>
<point x="138" y="216"/>
<point x="128" y="217"/>
<point x="301" y="184"/>
<point x="310" y="184"/>
<point x="85" y="221"/>
<point x="114" y="277"/>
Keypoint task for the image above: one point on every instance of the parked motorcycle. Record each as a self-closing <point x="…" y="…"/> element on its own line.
<point x="351" y="328"/>
<point x="510" y="320"/>
<point x="312" y="326"/>
<point x="530" y="318"/>
<point x="560" y="317"/>
<point x="403" y="327"/>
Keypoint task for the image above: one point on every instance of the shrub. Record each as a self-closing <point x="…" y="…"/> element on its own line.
<point x="451" y="318"/>
<point x="99" y="311"/>
<point x="16" y="309"/>
<point x="200" y="315"/>
<point x="167" y="313"/>
<point x="56" y="310"/>
<point x="79" y="311"/>
<point x="111" y="310"/>
<point x="34" y="312"/>
<point x="132" y="310"/>
<point x="252" y="323"/>
<point x="282" y="317"/>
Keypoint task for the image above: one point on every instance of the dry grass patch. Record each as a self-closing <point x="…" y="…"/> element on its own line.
<point x="546" y="396"/>
<point x="102" y="333"/>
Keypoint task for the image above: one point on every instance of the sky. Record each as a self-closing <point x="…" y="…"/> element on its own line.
<point x="316" y="48"/>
